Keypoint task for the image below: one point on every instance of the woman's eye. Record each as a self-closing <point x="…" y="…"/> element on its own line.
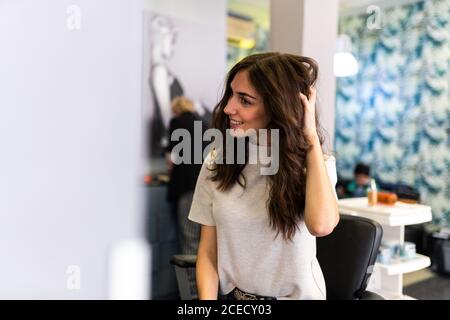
<point x="244" y="101"/>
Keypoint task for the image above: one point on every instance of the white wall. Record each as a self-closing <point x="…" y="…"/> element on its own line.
<point x="70" y="143"/>
<point x="71" y="137"/>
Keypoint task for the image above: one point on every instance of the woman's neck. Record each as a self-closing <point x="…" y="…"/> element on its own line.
<point x="261" y="138"/>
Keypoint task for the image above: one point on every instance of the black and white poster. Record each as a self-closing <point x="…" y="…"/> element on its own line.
<point x="181" y="58"/>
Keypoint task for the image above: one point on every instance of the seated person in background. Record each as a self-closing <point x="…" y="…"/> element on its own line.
<point x="358" y="187"/>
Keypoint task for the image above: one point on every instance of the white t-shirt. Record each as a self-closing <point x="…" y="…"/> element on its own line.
<point x="249" y="255"/>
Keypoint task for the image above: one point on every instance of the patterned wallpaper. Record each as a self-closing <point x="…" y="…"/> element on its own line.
<point x="394" y="114"/>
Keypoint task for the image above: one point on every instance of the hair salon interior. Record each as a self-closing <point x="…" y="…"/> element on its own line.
<point x="83" y="96"/>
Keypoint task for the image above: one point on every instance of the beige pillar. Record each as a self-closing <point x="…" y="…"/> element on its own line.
<point x="309" y="28"/>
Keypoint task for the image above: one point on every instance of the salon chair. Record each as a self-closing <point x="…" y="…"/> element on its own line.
<point x="346" y="256"/>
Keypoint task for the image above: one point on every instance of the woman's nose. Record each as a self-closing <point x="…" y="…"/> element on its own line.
<point x="229" y="109"/>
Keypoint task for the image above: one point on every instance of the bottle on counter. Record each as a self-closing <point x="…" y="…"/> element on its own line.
<point x="372" y="193"/>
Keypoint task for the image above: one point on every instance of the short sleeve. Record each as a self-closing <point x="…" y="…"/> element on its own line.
<point x="202" y="202"/>
<point x="330" y="164"/>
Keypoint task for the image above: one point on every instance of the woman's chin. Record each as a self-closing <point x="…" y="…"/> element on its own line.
<point x="241" y="133"/>
<point x="238" y="132"/>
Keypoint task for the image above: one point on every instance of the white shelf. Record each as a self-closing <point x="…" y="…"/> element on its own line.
<point x="398" y="214"/>
<point x="387" y="279"/>
<point x="394" y="296"/>
<point x="405" y="266"/>
<point x="406" y="297"/>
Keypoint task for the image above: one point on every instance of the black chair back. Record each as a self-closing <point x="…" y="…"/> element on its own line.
<point x="347" y="256"/>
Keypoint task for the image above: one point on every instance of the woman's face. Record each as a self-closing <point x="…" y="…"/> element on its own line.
<point x="167" y="43"/>
<point x="245" y="107"/>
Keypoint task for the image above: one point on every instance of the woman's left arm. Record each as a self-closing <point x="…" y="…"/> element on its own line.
<point x="321" y="209"/>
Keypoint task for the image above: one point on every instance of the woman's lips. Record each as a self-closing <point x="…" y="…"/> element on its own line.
<point x="234" y="124"/>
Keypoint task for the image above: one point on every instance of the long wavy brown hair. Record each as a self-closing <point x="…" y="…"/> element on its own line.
<point x="278" y="78"/>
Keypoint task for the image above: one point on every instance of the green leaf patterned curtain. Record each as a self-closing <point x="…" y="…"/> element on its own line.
<point x="394" y="114"/>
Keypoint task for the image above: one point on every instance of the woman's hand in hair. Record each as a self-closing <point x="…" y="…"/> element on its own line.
<point x="309" y="125"/>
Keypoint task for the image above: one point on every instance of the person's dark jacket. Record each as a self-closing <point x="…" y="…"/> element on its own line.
<point x="183" y="177"/>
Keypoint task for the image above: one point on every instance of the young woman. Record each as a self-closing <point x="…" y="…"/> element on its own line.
<point x="258" y="231"/>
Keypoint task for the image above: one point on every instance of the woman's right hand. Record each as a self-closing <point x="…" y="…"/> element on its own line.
<point x="207" y="275"/>
<point x="309" y="125"/>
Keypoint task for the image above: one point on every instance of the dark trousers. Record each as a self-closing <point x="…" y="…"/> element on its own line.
<point x="189" y="235"/>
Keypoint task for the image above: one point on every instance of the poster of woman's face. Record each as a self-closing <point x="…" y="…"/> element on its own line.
<point x="180" y="58"/>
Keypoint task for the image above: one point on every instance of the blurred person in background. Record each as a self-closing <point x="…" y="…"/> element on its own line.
<point x="358" y="187"/>
<point x="183" y="178"/>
